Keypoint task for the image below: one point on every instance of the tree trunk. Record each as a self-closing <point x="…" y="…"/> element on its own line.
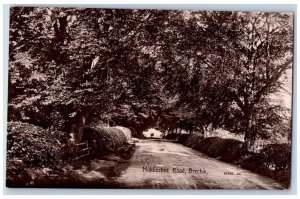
<point x="204" y="131"/>
<point x="250" y="134"/>
<point x="78" y="125"/>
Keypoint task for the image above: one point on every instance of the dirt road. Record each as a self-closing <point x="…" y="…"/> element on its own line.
<point x="162" y="164"/>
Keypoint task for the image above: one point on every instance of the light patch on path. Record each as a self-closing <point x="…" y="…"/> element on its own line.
<point x="154" y="132"/>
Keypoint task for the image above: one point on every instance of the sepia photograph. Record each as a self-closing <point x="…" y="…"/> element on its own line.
<point x="149" y="99"/>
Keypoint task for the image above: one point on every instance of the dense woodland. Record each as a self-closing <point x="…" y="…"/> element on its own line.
<point x="151" y="69"/>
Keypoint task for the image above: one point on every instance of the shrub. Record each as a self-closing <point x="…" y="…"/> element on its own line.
<point x="278" y="156"/>
<point x="251" y="161"/>
<point x="212" y="146"/>
<point x="33" y="145"/>
<point x="273" y="161"/>
<point x="232" y="150"/>
<point x="225" y="149"/>
<point x="172" y="136"/>
<point x="193" y="140"/>
<point x="105" y="140"/>
<point x="126" y="132"/>
<point x="182" y="138"/>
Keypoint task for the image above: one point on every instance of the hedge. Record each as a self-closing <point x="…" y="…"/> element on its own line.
<point x="182" y="138"/>
<point x="126" y="132"/>
<point x="194" y="140"/>
<point x="273" y="161"/>
<point x="172" y="136"/>
<point x="226" y="149"/>
<point x="106" y="140"/>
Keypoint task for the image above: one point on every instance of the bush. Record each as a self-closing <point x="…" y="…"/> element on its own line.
<point x="273" y="161"/>
<point x="172" y="136"/>
<point x="182" y="138"/>
<point x="211" y="146"/>
<point x="105" y="140"/>
<point x="278" y="156"/>
<point x="232" y="150"/>
<point x="33" y="146"/>
<point x="194" y="140"/>
<point x="225" y="149"/>
<point x="252" y="161"/>
<point x="126" y="132"/>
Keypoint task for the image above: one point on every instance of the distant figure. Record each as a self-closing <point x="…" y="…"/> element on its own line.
<point x="152" y="135"/>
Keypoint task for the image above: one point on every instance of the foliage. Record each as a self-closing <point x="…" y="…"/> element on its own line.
<point x="33" y="145"/>
<point x="142" y="69"/>
<point x="278" y="156"/>
<point x="126" y="132"/>
<point x="67" y="177"/>
<point x="273" y="161"/>
<point x="172" y="136"/>
<point x="194" y="140"/>
<point x="107" y="140"/>
<point x="150" y="68"/>
<point x="182" y="139"/>
<point x="228" y="150"/>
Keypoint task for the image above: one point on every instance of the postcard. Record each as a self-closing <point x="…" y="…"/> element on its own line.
<point x="149" y="99"/>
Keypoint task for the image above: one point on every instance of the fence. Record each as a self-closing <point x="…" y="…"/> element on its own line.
<point x="81" y="150"/>
<point x="75" y="151"/>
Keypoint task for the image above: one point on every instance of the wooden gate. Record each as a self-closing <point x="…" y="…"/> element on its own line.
<point x="81" y="150"/>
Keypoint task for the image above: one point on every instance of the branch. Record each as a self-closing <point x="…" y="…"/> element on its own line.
<point x="19" y="47"/>
<point x="238" y="100"/>
<point x="273" y="79"/>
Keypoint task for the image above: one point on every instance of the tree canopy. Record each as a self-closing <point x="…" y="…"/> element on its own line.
<point x="147" y="68"/>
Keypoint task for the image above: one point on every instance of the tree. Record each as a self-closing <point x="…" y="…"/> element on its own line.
<point x="145" y="68"/>
<point x="256" y="52"/>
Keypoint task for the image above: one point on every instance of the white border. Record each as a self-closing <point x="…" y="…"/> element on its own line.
<point x="151" y="2"/>
<point x="116" y="2"/>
